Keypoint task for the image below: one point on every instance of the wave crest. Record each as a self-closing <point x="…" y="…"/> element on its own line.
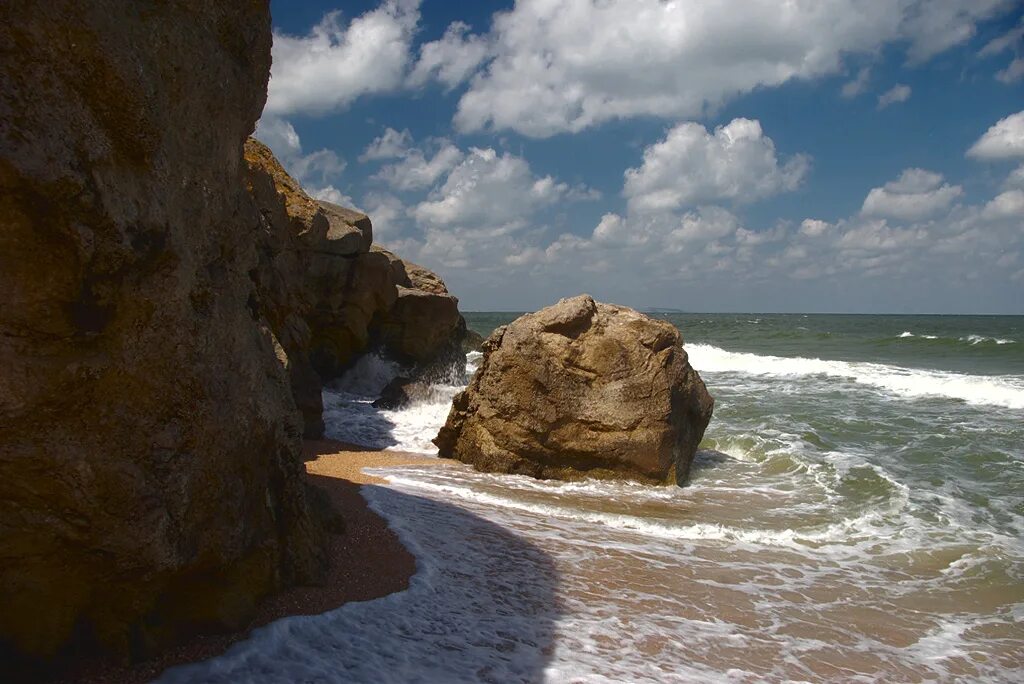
<point x="1005" y="391"/>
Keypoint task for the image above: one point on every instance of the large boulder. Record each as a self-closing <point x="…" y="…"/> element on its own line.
<point x="150" y="471"/>
<point x="581" y="389"/>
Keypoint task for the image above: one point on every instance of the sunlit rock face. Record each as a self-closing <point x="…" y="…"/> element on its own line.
<point x="579" y="389"/>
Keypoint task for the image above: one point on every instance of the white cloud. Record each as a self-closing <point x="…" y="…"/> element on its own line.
<point x="1015" y="180"/>
<point x="672" y="233"/>
<point x="916" y="194"/>
<point x="565" y="65"/>
<point x="336" y="62"/>
<point x="858" y="84"/>
<point x="389" y="145"/>
<point x="450" y="60"/>
<point x="1012" y="40"/>
<point x="1013" y="72"/>
<point x="937" y="25"/>
<point x="314" y="171"/>
<point x="814" y="227"/>
<point x="316" y="167"/>
<point x="489" y="191"/>
<point x="388" y="215"/>
<point x="1004" y="140"/>
<point x="898" y="93"/>
<point x="332" y="194"/>
<point x="691" y="166"/>
<point x="416" y="172"/>
<point x="1005" y="205"/>
<point x="1006" y="41"/>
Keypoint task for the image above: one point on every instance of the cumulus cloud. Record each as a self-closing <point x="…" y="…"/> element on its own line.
<point x="916" y="194"/>
<point x="388" y="214"/>
<point x="1012" y="41"/>
<point x="1015" y="180"/>
<point x="1013" y="72"/>
<point x="388" y="145"/>
<point x="337" y="62"/>
<point x="666" y="59"/>
<point x="692" y="165"/>
<point x="416" y="171"/>
<point x="491" y="191"/>
<point x="1006" y="41"/>
<point x="1005" y="205"/>
<point x="1004" y="140"/>
<point x="712" y="249"/>
<point x="332" y="194"/>
<point x="450" y="60"/>
<point x="857" y="85"/>
<point x="314" y="171"/>
<point x="898" y="93"/>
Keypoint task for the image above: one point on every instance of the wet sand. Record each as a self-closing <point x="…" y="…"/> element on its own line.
<point x="367" y="562"/>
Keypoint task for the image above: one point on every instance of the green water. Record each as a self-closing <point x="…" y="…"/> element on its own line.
<point x="899" y="439"/>
<point x="855" y="514"/>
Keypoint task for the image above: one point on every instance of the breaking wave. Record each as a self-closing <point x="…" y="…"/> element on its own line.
<point x="1003" y="390"/>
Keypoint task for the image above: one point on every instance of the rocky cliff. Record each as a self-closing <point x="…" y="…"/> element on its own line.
<point x="331" y="295"/>
<point x="150" y="476"/>
<point x="579" y="389"/>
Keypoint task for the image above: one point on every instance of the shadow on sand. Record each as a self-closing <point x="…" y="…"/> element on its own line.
<point x="481" y="607"/>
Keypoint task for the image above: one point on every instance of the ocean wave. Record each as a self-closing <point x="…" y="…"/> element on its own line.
<point x="1005" y="391"/>
<point x="981" y="339"/>
<point x="971" y="340"/>
<point x="841" y="533"/>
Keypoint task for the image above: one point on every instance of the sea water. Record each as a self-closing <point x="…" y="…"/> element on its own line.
<point x="856" y="513"/>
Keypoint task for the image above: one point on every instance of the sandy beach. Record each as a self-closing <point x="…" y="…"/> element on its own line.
<point x="367" y="562"/>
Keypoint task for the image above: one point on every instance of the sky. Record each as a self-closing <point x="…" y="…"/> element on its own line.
<point x="862" y="156"/>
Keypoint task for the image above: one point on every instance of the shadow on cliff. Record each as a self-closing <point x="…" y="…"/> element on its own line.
<point x="482" y="606"/>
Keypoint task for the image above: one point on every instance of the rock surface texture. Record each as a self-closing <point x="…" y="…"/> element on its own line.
<point x="150" y="469"/>
<point x="581" y="389"/>
<point x="330" y="294"/>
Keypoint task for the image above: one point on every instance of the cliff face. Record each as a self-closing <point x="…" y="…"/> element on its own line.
<point x="331" y="295"/>
<point x="149" y="446"/>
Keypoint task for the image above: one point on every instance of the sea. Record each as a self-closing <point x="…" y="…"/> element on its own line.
<point x="855" y="514"/>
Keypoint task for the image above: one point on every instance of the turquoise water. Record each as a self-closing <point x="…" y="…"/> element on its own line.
<point x="855" y="514"/>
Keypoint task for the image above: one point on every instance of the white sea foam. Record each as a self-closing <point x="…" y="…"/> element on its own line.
<point x="841" y="533"/>
<point x="907" y="333"/>
<point x="730" y="579"/>
<point x="981" y="339"/>
<point x="350" y="417"/>
<point x="506" y="594"/>
<point x="1006" y="391"/>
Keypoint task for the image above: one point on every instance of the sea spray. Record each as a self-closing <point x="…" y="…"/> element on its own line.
<point x="855" y="505"/>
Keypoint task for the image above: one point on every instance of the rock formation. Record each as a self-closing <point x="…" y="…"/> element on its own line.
<point x="330" y="294"/>
<point x="581" y="388"/>
<point x="150" y="472"/>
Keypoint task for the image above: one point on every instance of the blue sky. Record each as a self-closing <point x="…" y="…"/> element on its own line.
<point x="832" y="155"/>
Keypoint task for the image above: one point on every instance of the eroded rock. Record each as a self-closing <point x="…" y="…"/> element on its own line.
<point x="331" y="295"/>
<point x="150" y="472"/>
<point x="581" y="389"/>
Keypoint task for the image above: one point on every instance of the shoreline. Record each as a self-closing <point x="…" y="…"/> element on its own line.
<point x="367" y="562"/>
